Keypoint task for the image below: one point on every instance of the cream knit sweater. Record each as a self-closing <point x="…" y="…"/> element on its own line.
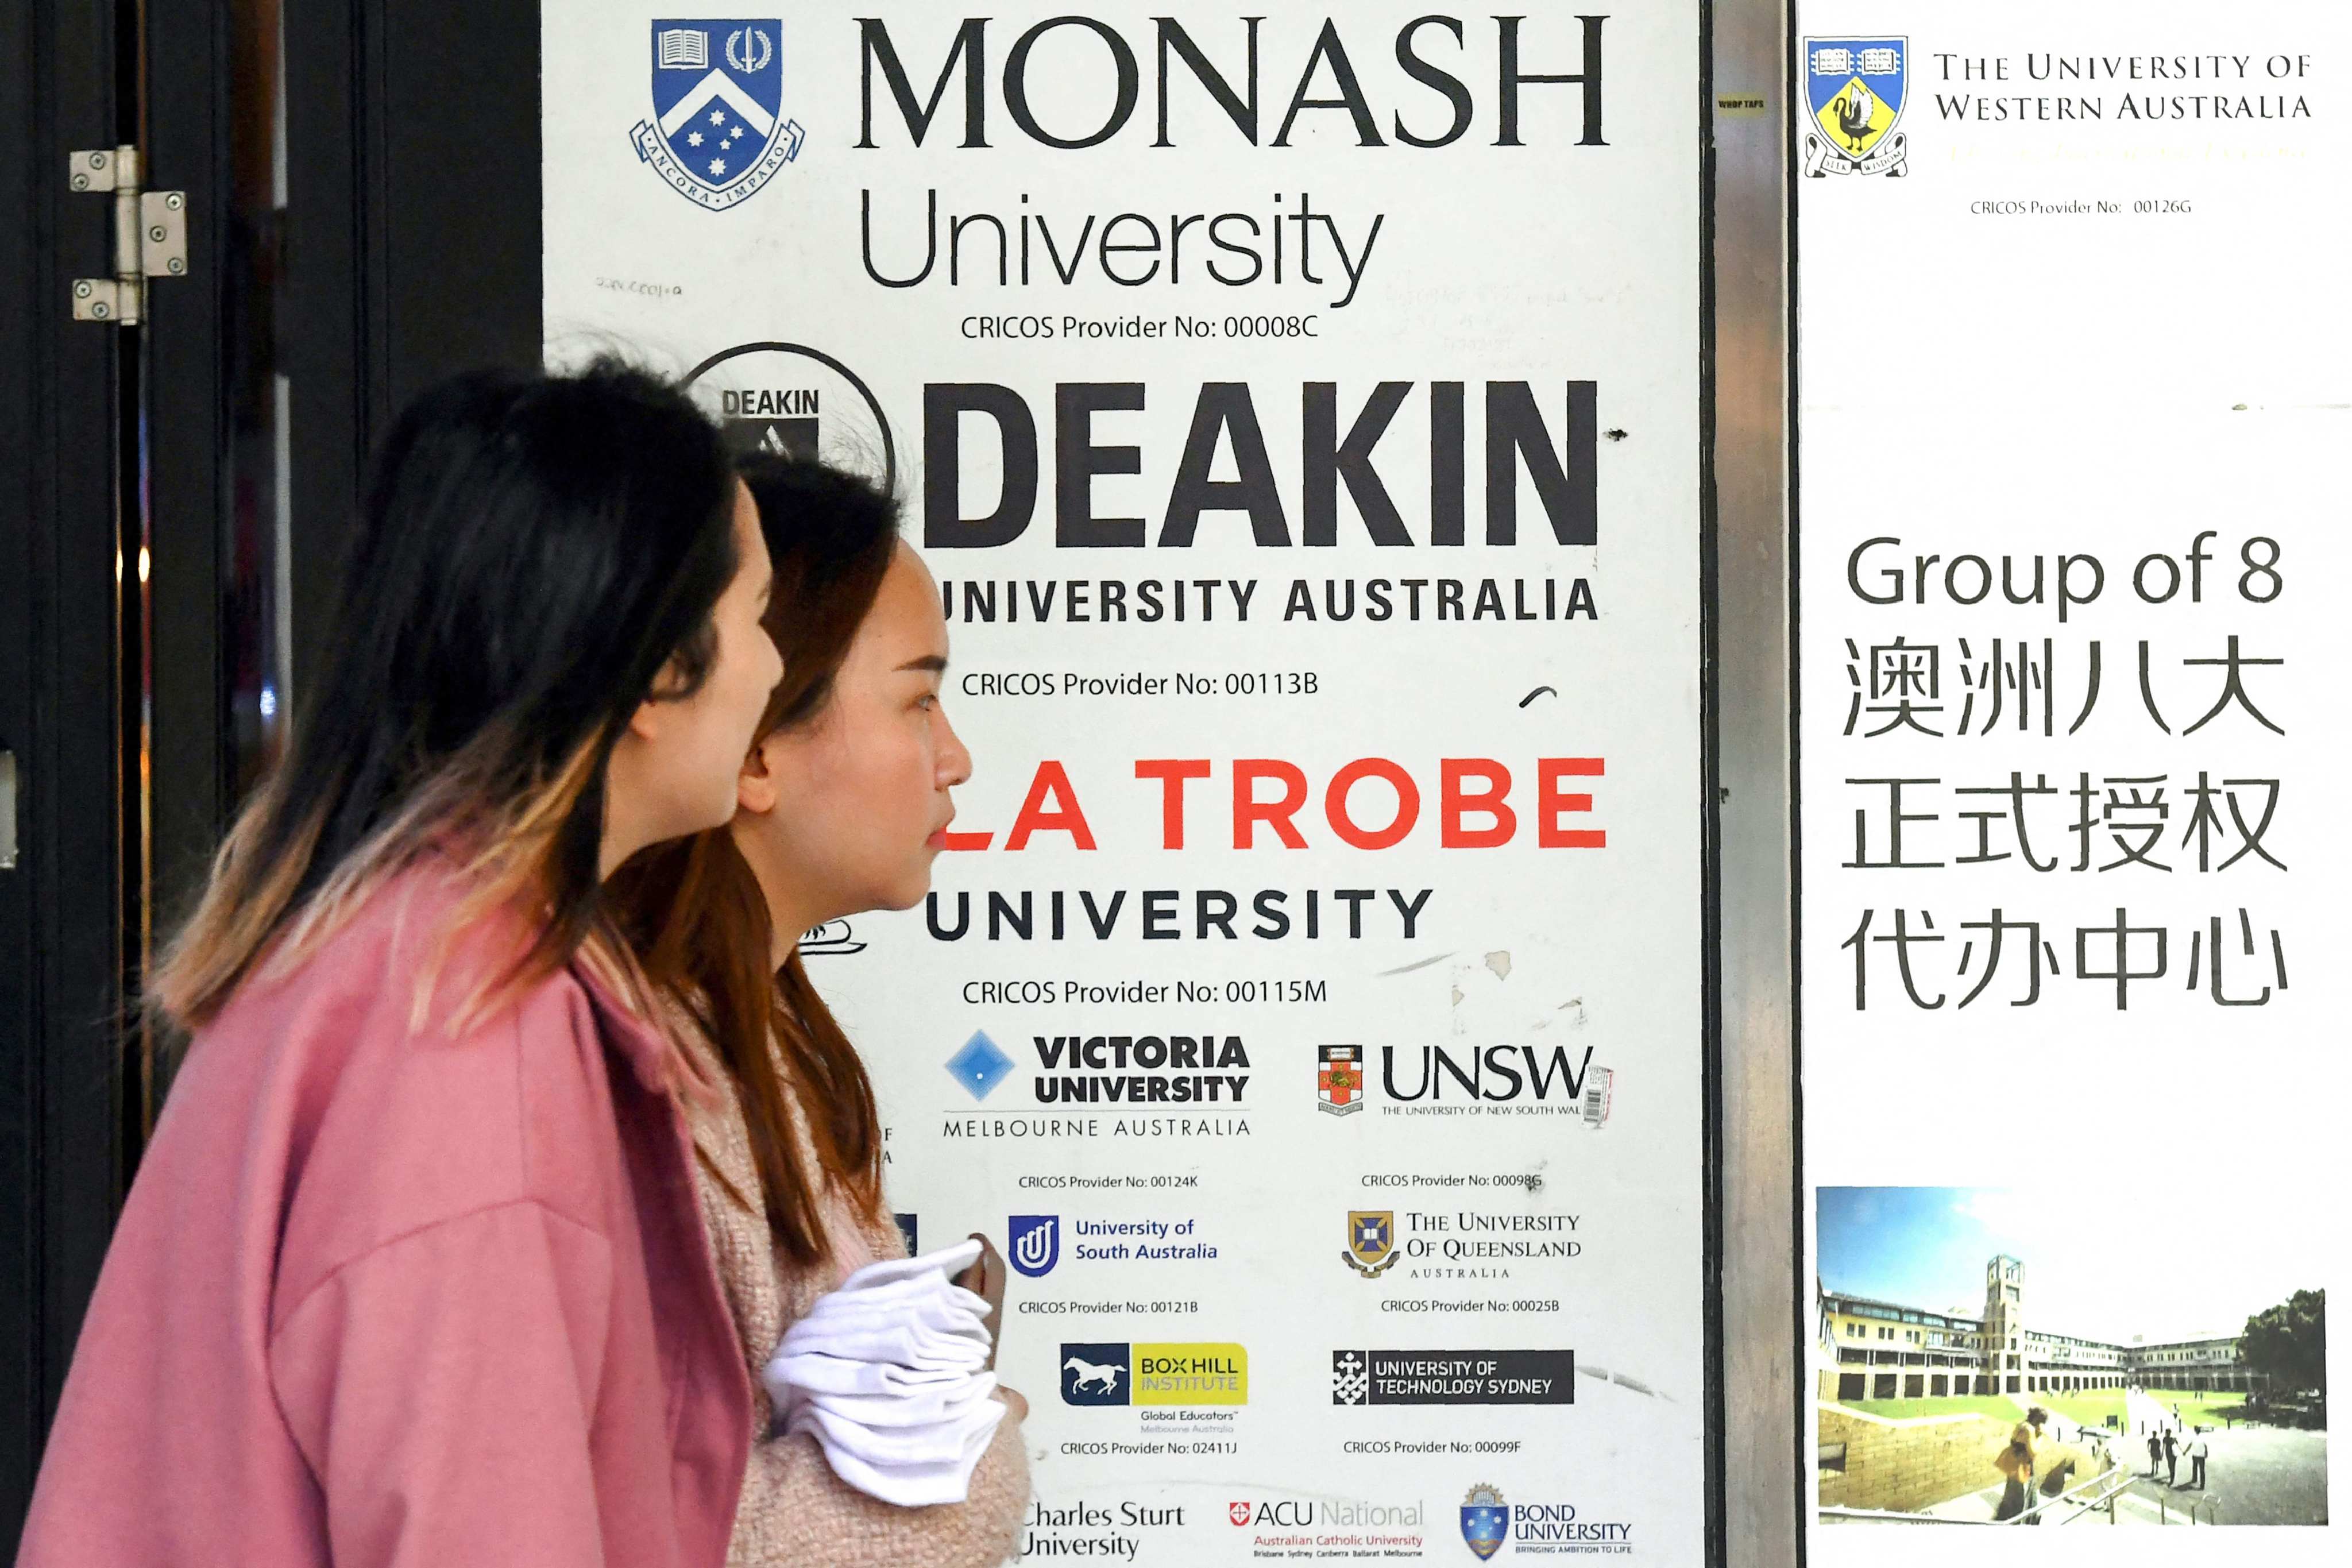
<point x="794" y="1511"/>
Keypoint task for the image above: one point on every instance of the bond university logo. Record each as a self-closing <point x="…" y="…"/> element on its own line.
<point x="1486" y="1521"/>
<point x="718" y="133"/>
<point x="1339" y="1078"/>
<point x="1033" y="1243"/>
<point x="1371" y="1241"/>
<point x="1854" y="96"/>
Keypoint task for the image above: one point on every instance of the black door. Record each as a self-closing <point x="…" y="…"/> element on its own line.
<point x="360" y="182"/>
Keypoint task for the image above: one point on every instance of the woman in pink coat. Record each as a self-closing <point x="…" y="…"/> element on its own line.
<point x="413" y="1272"/>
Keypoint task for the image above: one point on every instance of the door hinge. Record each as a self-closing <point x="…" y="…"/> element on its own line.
<point x="151" y="237"/>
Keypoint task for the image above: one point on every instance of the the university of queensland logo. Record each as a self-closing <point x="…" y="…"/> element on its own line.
<point x="1486" y="1521"/>
<point x="1339" y="1078"/>
<point x="1853" y="94"/>
<point x="1033" y="1243"/>
<point x="1371" y="1241"/>
<point x="719" y="130"/>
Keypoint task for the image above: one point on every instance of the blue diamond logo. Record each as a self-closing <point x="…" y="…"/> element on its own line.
<point x="980" y="1066"/>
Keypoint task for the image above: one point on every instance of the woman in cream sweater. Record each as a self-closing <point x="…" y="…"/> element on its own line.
<point x="841" y="805"/>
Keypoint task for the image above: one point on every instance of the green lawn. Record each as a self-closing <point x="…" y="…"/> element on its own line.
<point x="1999" y="1407"/>
<point x="2090" y="1407"/>
<point x="2203" y="1409"/>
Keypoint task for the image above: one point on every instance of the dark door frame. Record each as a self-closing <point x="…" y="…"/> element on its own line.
<point x="412" y="250"/>
<point x="69" y="392"/>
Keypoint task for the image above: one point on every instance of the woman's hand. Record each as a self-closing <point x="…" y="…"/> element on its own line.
<point x="1014" y="1401"/>
<point x="985" y="1279"/>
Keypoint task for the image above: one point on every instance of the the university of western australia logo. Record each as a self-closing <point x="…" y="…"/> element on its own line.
<point x="1854" y="92"/>
<point x="719" y="130"/>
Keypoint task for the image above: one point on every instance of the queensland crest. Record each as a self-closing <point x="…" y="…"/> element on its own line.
<point x="1371" y="1241"/>
<point x="1339" y="1078"/>
<point x="1486" y="1521"/>
<point x="718" y="131"/>
<point x="1853" y="99"/>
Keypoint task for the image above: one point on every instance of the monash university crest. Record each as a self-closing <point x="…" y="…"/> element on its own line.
<point x="718" y="131"/>
<point x="1854" y="92"/>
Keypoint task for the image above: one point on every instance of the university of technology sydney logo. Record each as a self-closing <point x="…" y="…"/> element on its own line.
<point x="1032" y="1243"/>
<point x="1854" y="92"/>
<point x="718" y="133"/>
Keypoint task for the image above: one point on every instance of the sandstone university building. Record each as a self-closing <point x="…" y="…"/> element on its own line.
<point x="1881" y="1350"/>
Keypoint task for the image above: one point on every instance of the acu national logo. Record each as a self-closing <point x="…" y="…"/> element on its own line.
<point x="718" y="131"/>
<point x="1854" y="92"/>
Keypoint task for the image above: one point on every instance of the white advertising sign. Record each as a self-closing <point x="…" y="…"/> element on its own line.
<point x="1301" y="414"/>
<point x="2073" y="351"/>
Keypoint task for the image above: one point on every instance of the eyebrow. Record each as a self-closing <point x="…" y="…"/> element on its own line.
<point x="930" y="663"/>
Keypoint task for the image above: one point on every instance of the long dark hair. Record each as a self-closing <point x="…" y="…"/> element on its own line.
<point x="532" y="554"/>
<point x="693" y="910"/>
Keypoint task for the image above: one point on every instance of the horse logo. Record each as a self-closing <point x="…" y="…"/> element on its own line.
<point x="1094" y="1374"/>
<point x="1854" y="90"/>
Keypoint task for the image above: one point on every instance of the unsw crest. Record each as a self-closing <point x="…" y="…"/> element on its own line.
<point x="718" y="131"/>
<point x="1854" y="92"/>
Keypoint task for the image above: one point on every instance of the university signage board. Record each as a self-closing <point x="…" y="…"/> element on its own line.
<point x="2072" y="925"/>
<point x="1302" y="416"/>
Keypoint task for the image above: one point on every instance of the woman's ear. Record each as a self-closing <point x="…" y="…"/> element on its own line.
<point x="755" y="786"/>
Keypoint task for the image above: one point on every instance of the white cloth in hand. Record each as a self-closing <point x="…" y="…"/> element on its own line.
<point x="887" y="1374"/>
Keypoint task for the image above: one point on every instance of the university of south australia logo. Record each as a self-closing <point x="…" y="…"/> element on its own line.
<point x="1854" y="98"/>
<point x="718" y="131"/>
<point x="1033" y="1242"/>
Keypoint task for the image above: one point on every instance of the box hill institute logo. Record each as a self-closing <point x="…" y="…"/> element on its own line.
<point x="718" y="133"/>
<point x="1854" y="92"/>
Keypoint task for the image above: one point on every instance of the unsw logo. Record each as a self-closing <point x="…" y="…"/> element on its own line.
<point x="718" y="133"/>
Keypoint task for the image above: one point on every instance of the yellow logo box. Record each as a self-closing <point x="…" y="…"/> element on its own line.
<point x="1190" y="1374"/>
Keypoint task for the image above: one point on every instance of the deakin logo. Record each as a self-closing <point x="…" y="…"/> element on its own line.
<point x="1854" y="96"/>
<point x="718" y="133"/>
<point x="1033" y="1243"/>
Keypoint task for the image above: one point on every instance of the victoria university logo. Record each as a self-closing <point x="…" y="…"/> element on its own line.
<point x="718" y="133"/>
<point x="1853" y="95"/>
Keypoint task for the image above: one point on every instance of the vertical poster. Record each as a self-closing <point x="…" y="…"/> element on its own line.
<point x="2074" y="359"/>
<point x="1300" y="413"/>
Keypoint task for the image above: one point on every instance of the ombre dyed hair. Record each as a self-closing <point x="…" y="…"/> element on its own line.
<point x="534" y="556"/>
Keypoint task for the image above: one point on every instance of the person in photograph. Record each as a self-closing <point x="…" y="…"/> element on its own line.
<point x="411" y="1272"/>
<point x="843" y="803"/>
<point x="2171" y="1458"/>
<point x="2155" y="1455"/>
<point x="2016" y="1462"/>
<point x="2197" y="1454"/>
